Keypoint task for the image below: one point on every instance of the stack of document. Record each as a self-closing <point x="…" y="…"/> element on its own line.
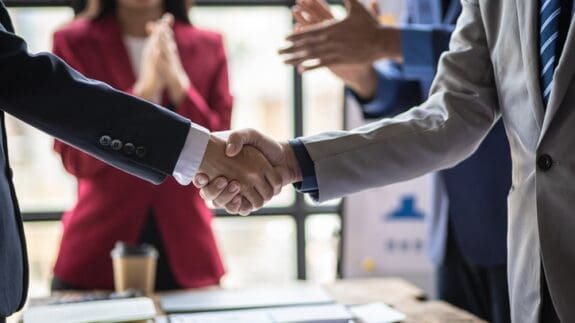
<point x="332" y="313"/>
<point x="220" y="299"/>
<point x="117" y="310"/>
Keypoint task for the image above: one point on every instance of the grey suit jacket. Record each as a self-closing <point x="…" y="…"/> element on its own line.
<point x="490" y="71"/>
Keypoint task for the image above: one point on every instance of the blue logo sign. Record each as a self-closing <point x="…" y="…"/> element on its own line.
<point x="406" y="211"/>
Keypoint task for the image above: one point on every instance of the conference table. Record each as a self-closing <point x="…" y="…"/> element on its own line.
<point x="399" y="293"/>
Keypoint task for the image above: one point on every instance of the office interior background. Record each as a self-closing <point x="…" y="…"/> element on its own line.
<point x="291" y="238"/>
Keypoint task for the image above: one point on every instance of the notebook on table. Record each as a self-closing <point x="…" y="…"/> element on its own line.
<point x="220" y="300"/>
<point x="116" y="310"/>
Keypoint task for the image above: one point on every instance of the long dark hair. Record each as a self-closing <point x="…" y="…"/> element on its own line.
<point x="178" y="8"/>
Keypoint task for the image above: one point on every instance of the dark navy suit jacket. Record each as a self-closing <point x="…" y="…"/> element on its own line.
<point x="477" y="188"/>
<point x="44" y="92"/>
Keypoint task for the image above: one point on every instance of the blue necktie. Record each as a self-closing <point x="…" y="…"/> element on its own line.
<point x="549" y="14"/>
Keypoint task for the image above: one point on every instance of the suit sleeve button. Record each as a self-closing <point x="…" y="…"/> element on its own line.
<point x="105" y="141"/>
<point x="116" y="145"/>
<point x="129" y="149"/>
<point x="141" y="151"/>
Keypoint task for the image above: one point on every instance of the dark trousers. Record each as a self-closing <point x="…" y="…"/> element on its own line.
<point x="2" y="320"/>
<point x="165" y="280"/>
<point x="548" y="314"/>
<point x="480" y="290"/>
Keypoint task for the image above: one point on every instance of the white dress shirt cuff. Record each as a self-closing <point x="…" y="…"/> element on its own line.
<point x="192" y="154"/>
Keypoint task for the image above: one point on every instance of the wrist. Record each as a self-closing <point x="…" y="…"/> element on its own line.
<point x="364" y="82"/>
<point x="178" y="88"/>
<point x="145" y="90"/>
<point x="389" y="44"/>
<point x="291" y="163"/>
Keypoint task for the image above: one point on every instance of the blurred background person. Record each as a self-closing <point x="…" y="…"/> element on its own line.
<point x="150" y="49"/>
<point x="468" y="233"/>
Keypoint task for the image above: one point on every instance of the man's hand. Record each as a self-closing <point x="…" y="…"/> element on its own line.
<point x="258" y="180"/>
<point x="361" y="78"/>
<point x="358" y="38"/>
<point x="230" y="197"/>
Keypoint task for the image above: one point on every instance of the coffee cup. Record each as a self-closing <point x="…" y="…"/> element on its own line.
<point x="134" y="267"/>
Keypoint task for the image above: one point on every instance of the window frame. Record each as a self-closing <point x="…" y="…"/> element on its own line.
<point x="299" y="210"/>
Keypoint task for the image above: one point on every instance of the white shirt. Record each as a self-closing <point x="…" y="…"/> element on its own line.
<point x="196" y="142"/>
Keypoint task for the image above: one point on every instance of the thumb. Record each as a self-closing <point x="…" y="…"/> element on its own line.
<point x="201" y="180"/>
<point x="352" y="5"/>
<point x="150" y="26"/>
<point x="269" y="147"/>
<point x="236" y="141"/>
<point x="168" y="19"/>
<point x="374" y="8"/>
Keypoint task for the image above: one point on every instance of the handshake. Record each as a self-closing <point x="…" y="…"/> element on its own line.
<point x="245" y="170"/>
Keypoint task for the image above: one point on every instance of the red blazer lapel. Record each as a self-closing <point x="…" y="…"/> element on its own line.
<point x="108" y="36"/>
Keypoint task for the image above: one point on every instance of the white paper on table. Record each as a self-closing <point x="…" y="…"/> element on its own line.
<point x="316" y="313"/>
<point x="114" y="310"/>
<point x="246" y="316"/>
<point x="376" y="313"/>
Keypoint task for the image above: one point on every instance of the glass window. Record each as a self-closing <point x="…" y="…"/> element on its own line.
<point x="261" y="84"/>
<point x="323" y="236"/>
<point x="41" y="182"/>
<point x="257" y="249"/>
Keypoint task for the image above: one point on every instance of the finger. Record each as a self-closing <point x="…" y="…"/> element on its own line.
<point x="326" y="62"/>
<point x="319" y="52"/>
<point x="374" y="8"/>
<point x="297" y="14"/>
<point x="275" y="180"/>
<point x="308" y="14"/>
<point x="150" y="26"/>
<point x="238" y="139"/>
<point x="211" y="191"/>
<point x="228" y="194"/>
<point x="306" y="44"/>
<point x="235" y="205"/>
<point x="321" y="9"/>
<point x="255" y="199"/>
<point x="246" y="208"/>
<point x="264" y="188"/>
<point x="318" y="30"/>
<point x="201" y="180"/>
<point x="168" y="19"/>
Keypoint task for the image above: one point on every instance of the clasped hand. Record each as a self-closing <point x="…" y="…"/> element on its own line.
<point x="246" y="171"/>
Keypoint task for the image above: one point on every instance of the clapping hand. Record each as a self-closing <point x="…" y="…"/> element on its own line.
<point x="361" y="77"/>
<point x="162" y="67"/>
<point x="358" y="38"/>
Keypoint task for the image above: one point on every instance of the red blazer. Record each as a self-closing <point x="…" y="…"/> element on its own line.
<point x="113" y="205"/>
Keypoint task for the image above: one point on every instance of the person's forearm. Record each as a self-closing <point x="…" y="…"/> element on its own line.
<point x="363" y="83"/>
<point x="389" y="46"/>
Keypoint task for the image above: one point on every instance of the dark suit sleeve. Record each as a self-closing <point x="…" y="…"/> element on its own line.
<point x="46" y="93"/>
<point x="402" y="86"/>
<point x="394" y="93"/>
<point x="422" y="45"/>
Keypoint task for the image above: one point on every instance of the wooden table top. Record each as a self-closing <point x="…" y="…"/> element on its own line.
<point x="403" y="296"/>
<point x="396" y="292"/>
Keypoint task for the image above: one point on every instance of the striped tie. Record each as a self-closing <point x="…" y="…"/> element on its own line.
<point x="548" y="38"/>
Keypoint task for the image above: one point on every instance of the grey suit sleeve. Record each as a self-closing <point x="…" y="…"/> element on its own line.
<point x="438" y="134"/>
